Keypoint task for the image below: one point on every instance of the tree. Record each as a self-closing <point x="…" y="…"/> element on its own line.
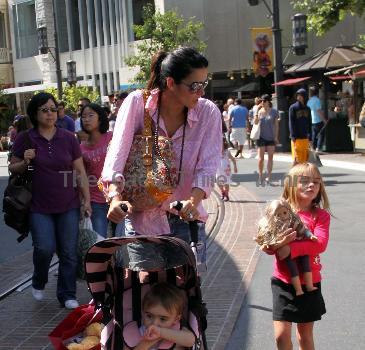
<point x="72" y="94"/>
<point x="324" y="14"/>
<point x="166" y="32"/>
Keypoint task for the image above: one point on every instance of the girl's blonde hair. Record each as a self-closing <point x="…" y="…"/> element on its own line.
<point x="291" y="182"/>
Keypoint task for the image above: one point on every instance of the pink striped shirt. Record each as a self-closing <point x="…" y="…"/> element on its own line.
<point x="201" y="154"/>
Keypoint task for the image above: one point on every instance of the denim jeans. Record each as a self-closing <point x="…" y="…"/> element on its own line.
<point x="317" y="136"/>
<point x="51" y="232"/>
<point x="99" y="219"/>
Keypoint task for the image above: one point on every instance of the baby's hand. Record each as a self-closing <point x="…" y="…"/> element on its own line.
<point x="314" y="238"/>
<point x="152" y="333"/>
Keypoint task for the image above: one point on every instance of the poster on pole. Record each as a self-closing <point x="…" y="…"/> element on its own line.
<point x="262" y="51"/>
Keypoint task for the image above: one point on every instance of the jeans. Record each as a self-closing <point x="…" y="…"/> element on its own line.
<point x="99" y="219"/>
<point x="317" y="136"/>
<point x="51" y="232"/>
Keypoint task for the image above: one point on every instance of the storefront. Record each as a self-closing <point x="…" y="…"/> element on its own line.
<point x="355" y="76"/>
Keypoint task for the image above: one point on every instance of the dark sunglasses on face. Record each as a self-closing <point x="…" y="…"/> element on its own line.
<point x="48" y="109"/>
<point x="196" y="86"/>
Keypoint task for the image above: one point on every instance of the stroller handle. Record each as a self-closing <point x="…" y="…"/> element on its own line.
<point x="193" y="225"/>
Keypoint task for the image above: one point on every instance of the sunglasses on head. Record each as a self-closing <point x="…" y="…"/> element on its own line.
<point x="48" y="109"/>
<point x="196" y="86"/>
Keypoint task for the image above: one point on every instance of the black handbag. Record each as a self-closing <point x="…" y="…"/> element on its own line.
<point x="17" y="199"/>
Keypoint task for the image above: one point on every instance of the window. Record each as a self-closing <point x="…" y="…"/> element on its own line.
<point x="2" y="30"/>
<point x="61" y="19"/>
<point x="75" y="25"/>
<point x="25" y="29"/>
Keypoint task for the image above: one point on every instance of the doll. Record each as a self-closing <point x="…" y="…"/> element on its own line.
<point x="279" y="216"/>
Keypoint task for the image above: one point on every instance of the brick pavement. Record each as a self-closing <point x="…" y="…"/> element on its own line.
<point x="232" y="256"/>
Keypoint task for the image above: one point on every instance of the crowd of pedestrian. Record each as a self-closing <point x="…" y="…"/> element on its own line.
<point x="85" y="162"/>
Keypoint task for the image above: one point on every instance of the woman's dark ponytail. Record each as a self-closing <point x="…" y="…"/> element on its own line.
<point x="177" y="65"/>
<point x="156" y="80"/>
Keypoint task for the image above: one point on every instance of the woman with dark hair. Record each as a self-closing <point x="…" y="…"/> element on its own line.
<point x="94" y="121"/>
<point x="22" y="124"/>
<point x="56" y="159"/>
<point x="268" y="118"/>
<point x="194" y="125"/>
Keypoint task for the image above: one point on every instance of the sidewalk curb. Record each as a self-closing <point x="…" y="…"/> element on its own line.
<point x="326" y="162"/>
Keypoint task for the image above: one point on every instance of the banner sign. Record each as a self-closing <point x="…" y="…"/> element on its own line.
<point x="262" y="51"/>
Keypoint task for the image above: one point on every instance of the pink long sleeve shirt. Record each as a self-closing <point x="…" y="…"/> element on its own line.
<point x="318" y="224"/>
<point x="201" y="154"/>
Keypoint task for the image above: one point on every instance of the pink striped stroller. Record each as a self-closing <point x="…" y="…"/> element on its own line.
<point x="118" y="291"/>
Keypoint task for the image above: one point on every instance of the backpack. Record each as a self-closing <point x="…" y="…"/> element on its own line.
<point x="17" y="199"/>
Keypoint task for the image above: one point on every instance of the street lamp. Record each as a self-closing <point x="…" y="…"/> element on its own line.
<point x="44" y="49"/>
<point x="71" y="72"/>
<point x="42" y="40"/>
<point x="299" y="43"/>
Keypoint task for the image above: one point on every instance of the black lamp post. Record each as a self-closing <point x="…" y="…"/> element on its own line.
<point x="44" y="48"/>
<point x="299" y="43"/>
<point x="71" y="72"/>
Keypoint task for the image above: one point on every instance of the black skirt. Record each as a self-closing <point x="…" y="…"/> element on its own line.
<point x="308" y="307"/>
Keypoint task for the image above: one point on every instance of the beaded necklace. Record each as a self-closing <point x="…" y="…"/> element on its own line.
<point x="157" y="148"/>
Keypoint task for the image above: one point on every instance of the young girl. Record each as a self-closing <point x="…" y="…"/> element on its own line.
<point x="304" y="190"/>
<point x="279" y="216"/>
<point x="94" y="121"/>
<point x="162" y="310"/>
<point x="223" y="175"/>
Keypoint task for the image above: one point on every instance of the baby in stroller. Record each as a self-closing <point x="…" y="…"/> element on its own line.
<point x="162" y="310"/>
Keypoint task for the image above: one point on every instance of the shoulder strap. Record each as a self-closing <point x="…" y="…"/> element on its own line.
<point x="147" y="135"/>
<point x="27" y="140"/>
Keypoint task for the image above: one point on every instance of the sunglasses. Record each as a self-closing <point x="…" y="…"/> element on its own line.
<point x="196" y="86"/>
<point x="48" y="109"/>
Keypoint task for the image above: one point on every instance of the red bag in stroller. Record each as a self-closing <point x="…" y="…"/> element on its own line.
<point x="119" y="290"/>
<point x="73" y="325"/>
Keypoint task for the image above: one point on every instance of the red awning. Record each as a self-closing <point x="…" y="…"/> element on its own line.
<point x="341" y="77"/>
<point x="359" y="73"/>
<point x="292" y="81"/>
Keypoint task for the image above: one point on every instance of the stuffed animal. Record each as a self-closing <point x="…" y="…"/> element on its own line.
<point x="94" y="329"/>
<point x="91" y="338"/>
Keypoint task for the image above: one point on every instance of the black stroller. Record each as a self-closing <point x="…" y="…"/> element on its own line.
<point x="118" y="291"/>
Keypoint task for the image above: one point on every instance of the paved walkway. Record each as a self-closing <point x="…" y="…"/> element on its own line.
<point x="232" y="257"/>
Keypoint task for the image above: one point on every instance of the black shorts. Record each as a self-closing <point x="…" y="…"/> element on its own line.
<point x="308" y="307"/>
<point x="263" y="143"/>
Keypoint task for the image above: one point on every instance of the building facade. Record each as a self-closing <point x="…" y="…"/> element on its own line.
<point x="98" y="35"/>
<point x="6" y="69"/>
<point x="94" y="33"/>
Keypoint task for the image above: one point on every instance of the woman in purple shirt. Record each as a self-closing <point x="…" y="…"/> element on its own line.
<point x="55" y="208"/>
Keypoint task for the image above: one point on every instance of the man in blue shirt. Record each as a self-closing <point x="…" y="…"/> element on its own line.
<point x="63" y="120"/>
<point x="237" y="123"/>
<point x="318" y="120"/>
